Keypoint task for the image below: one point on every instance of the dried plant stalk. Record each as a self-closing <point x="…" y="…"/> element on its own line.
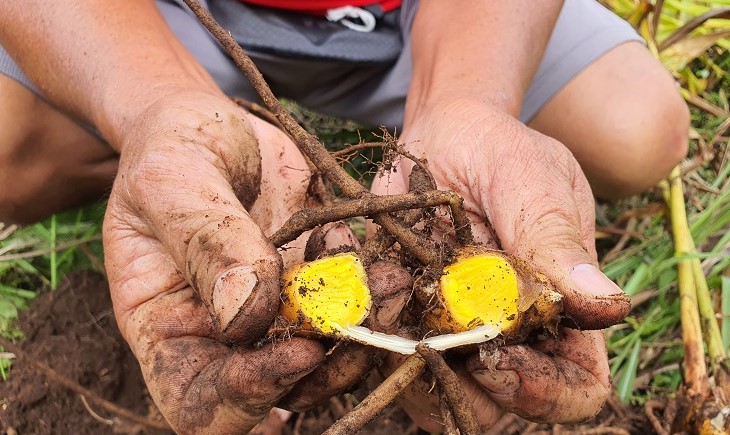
<point x="379" y="398"/>
<point x="310" y="146"/>
<point x="694" y="355"/>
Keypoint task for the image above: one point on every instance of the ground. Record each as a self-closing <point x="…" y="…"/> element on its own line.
<point x="73" y="331"/>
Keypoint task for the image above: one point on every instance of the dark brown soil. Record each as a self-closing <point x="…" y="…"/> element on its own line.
<point x="73" y="331"/>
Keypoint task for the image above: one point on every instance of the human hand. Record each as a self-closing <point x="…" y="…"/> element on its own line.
<point x="194" y="281"/>
<point x="526" y="193"/>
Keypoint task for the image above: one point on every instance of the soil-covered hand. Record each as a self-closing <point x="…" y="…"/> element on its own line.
<point x="192" y="272"/>
<point x="194" y="280"/>
<point x="526" y="192"/>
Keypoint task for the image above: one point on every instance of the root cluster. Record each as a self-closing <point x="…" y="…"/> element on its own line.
<point x="397" y="217"/>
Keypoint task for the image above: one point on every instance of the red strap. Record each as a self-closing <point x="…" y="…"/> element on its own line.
<point x="321" y="6"/>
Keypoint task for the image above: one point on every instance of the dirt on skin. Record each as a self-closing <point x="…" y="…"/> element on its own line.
<point x="73" y="330"/>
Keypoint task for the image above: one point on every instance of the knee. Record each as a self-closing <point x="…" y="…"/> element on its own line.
<point x="19" y="182"/>
<point x="21" y="185"/>
<point x="667" y="143"/>
<point x="660" y="136"/>
<point x="654" y="140"/>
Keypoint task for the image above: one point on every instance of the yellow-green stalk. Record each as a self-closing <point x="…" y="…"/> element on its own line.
<point x="694" y="354"/>
<point x="710" y="327"/>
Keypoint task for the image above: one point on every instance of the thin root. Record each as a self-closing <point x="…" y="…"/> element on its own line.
<point x="78" y="389"/>
<point x="93" y="414"/>
<point x="650" y="407"/>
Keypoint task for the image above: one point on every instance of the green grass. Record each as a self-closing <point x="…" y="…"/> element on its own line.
<point x="36" y="257"/>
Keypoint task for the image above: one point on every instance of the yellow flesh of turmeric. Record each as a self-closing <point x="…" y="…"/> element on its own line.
<point x="327" y="294"/>
<point x="480" y="290"/>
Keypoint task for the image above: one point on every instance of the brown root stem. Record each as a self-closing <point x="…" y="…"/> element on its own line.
<point x="447" y="417"/>
<point x="461" y="408"/>
<point x="378" y="244"/>
<point x="650" y="408"/>
<point x="309" y="218"/>
<point x="381" y="397"/>
<point x="419" y="181"/>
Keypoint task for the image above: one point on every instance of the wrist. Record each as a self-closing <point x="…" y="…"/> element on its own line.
<point x="122" y="117"/>
<point x="459" y="110"/>
<point x="450" y="100"/>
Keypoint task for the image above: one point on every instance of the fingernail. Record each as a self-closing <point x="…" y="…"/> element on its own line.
<point x="503" y="382"/>
<point x="389" y="311"/>
<point x="592" y="281"/>
<point x="337" y="236"/>
<point x="231" y="290"/>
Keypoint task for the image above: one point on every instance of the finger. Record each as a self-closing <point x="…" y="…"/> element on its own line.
<point x="388" y="182"/>
<point x="187" y="194"/>
<point x="203" y="386"/>
<point x="543" y="389"/>
<point x="585" y="348"/>
<point x="349" y="363"/>
<point x="545" y="216"/>
<point x="393" y="181"/>
<point x="329" y="238"/>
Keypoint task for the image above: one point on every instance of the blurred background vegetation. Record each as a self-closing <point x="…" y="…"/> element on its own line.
<point x="692" y="39"/>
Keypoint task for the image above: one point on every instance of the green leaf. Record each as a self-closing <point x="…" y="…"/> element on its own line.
<point x="638" y="280"/>
<point x="628" y="376"/>
<point x="725" y="312"/>
<point x="7" y="309"/>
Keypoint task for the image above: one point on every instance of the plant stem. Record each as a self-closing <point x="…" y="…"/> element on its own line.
<point x="381" y="397"/>
<point x="711" y="329"/>
<point x="694" y="355"/>
<point x="725" y="310"/>
<point x="309" y="218"/>
<point x="447" y="417"/>
<point x="461" y="408"/>
<point x="424" y="250"/>
<point x="54" y="254"/>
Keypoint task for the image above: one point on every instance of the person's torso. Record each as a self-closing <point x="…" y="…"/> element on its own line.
<point x="320" y="7"/>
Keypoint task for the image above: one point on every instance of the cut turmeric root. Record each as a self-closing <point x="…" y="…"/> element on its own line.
<point x="326" y="295"/>
<point x="487" y="287"/>
<point x="481" y="294"/>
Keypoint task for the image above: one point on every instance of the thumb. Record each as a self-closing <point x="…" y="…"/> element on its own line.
<point x="549" y="221"/>
<point x="590" y="299"/>
<point x="181" y="194"/>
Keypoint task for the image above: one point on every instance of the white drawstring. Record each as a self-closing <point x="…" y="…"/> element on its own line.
<point x="342" y="14"/>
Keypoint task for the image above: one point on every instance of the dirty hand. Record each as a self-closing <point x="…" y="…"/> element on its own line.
<point x="195" y="282"/>
<point x="531" y="191"/>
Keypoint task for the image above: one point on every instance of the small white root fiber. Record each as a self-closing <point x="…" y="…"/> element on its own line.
<point x="406" y="346"/>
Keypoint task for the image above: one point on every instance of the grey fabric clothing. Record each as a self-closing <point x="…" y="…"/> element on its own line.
<point x="375" y="94"/>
